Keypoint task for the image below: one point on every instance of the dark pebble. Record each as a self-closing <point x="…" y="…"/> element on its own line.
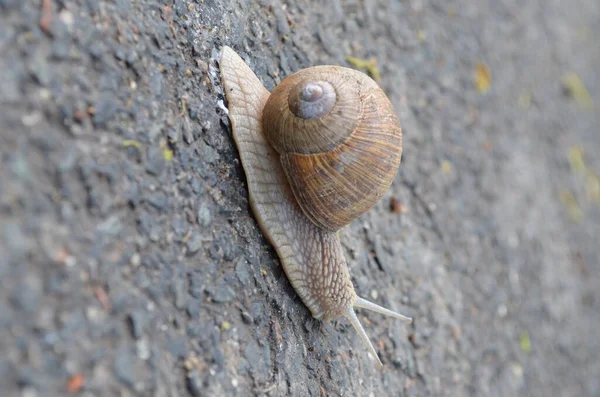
<point x="59" y="50"/>
<point x="186" y="192"/>
<point x="96" y="50"/>
<point x="194" y="244"/>
<point x="118" y="302"/>
<point x="133" y="195"/>
<point x="177" y="347"/>
<point x="247" y="318"/>
<point x="158" y="200"/>
<point x="188" y="134"/>
<point x="92" y="6"/>
<point x="134" y="153"/>
<point x="123" y="367"/>
<point x="283" y="63"/>
<point x="110" y="227"/>
<point x="194" y="113"/>
<point x="6" y="317"/>
<point x="137" y="322"/>
<point x="145" y="223"/>
<point x="8" y="4"/>
<point x="260" y="359"/>
<point x="123" y="7"/>
<point x="197" y="185"/>
<point x="173" y="134"/>
<point x="223" y="293"/>
<point x="131" y="58"/>
<point x="26" y="298"/>
<point x="180" y="7"/>
<point x="194" y="384"/>
<point x="119" y="53"/>
<point x="155" y="161"/>
<point x="27" y="377"/>
<point x="197" y="285"/>
<point x="216" y="251"/>
<point x="155" y="292"/>
<point x="282" y="24"/>
<point x="204" y="217"/>
<point x="19" y="243"/>
<point x="228" y="247"/>
<point x="179" y="292"/>
<point x="207" y="153"/>
<point x="156" y="84"/>
<point x="68" y="160"/>
<point x="10" y="84"/>
<point x="40" y="69"/>
<point x="180" y="226"/>
<point x="193" y="308"/>
<point x="106" y="108"/>
<point x="257" y="309"/>
<point x="242" y="270"/>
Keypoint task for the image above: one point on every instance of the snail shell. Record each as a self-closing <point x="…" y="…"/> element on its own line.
<point x="312" y="256"/>
<point x="339" y="141"/>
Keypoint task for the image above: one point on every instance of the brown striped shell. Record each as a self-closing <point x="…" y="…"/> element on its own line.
<point x="339" y="141"/>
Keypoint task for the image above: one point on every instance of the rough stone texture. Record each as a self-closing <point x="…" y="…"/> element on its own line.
<point x="147" y="274"/>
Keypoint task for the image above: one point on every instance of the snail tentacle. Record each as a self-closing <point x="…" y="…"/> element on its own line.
<point x="365" y="304"/>
<point x="353" y="319"/>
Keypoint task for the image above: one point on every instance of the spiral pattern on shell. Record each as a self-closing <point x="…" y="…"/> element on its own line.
<point x="339" y="141"/>
<point x="311" y="99"/>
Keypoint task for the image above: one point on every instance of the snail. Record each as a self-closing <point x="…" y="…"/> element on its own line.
<point x="317" y="153"/>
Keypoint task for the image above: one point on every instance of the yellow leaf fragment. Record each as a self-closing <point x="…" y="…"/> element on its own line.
<point x="483" y="77"/>
<point x="370" y="65"/>
<point x="167" y="154"/>
<point x="576" y="159"/>
<point x="131" y="142"/>
<point x="225" y="325"/>
<point x="574" y="87"/>
<point x="593" y="188"/>
<point x="525" y="342"/>
<point x="525" y="100"/>
<point x="578" y="166"/>
<point x="447" y="167"/>
<point x="570" y="203"/>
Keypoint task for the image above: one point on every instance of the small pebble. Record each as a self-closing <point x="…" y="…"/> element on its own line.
<point x="194" y="384"/>
<point x="158" y="200"/>
<point x="123" y="367"/>
<point x="105" y="110"/>
<point x="194" y="244"/>
<point x="177" y="347"/>
<point x="137" y="322"/>
<point x="242" y="270"/>
<point x="142" y="349"/>
<point x="204" y="215"/>
<point x="247" y="318"/>
<point x="155" y="161"/>
<point x="223" y="294"/>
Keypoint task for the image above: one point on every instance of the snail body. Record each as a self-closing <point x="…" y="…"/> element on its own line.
<point x="317" y="153"/>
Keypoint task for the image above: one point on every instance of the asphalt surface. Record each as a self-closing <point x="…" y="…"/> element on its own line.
<point x="131" y="265"/>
